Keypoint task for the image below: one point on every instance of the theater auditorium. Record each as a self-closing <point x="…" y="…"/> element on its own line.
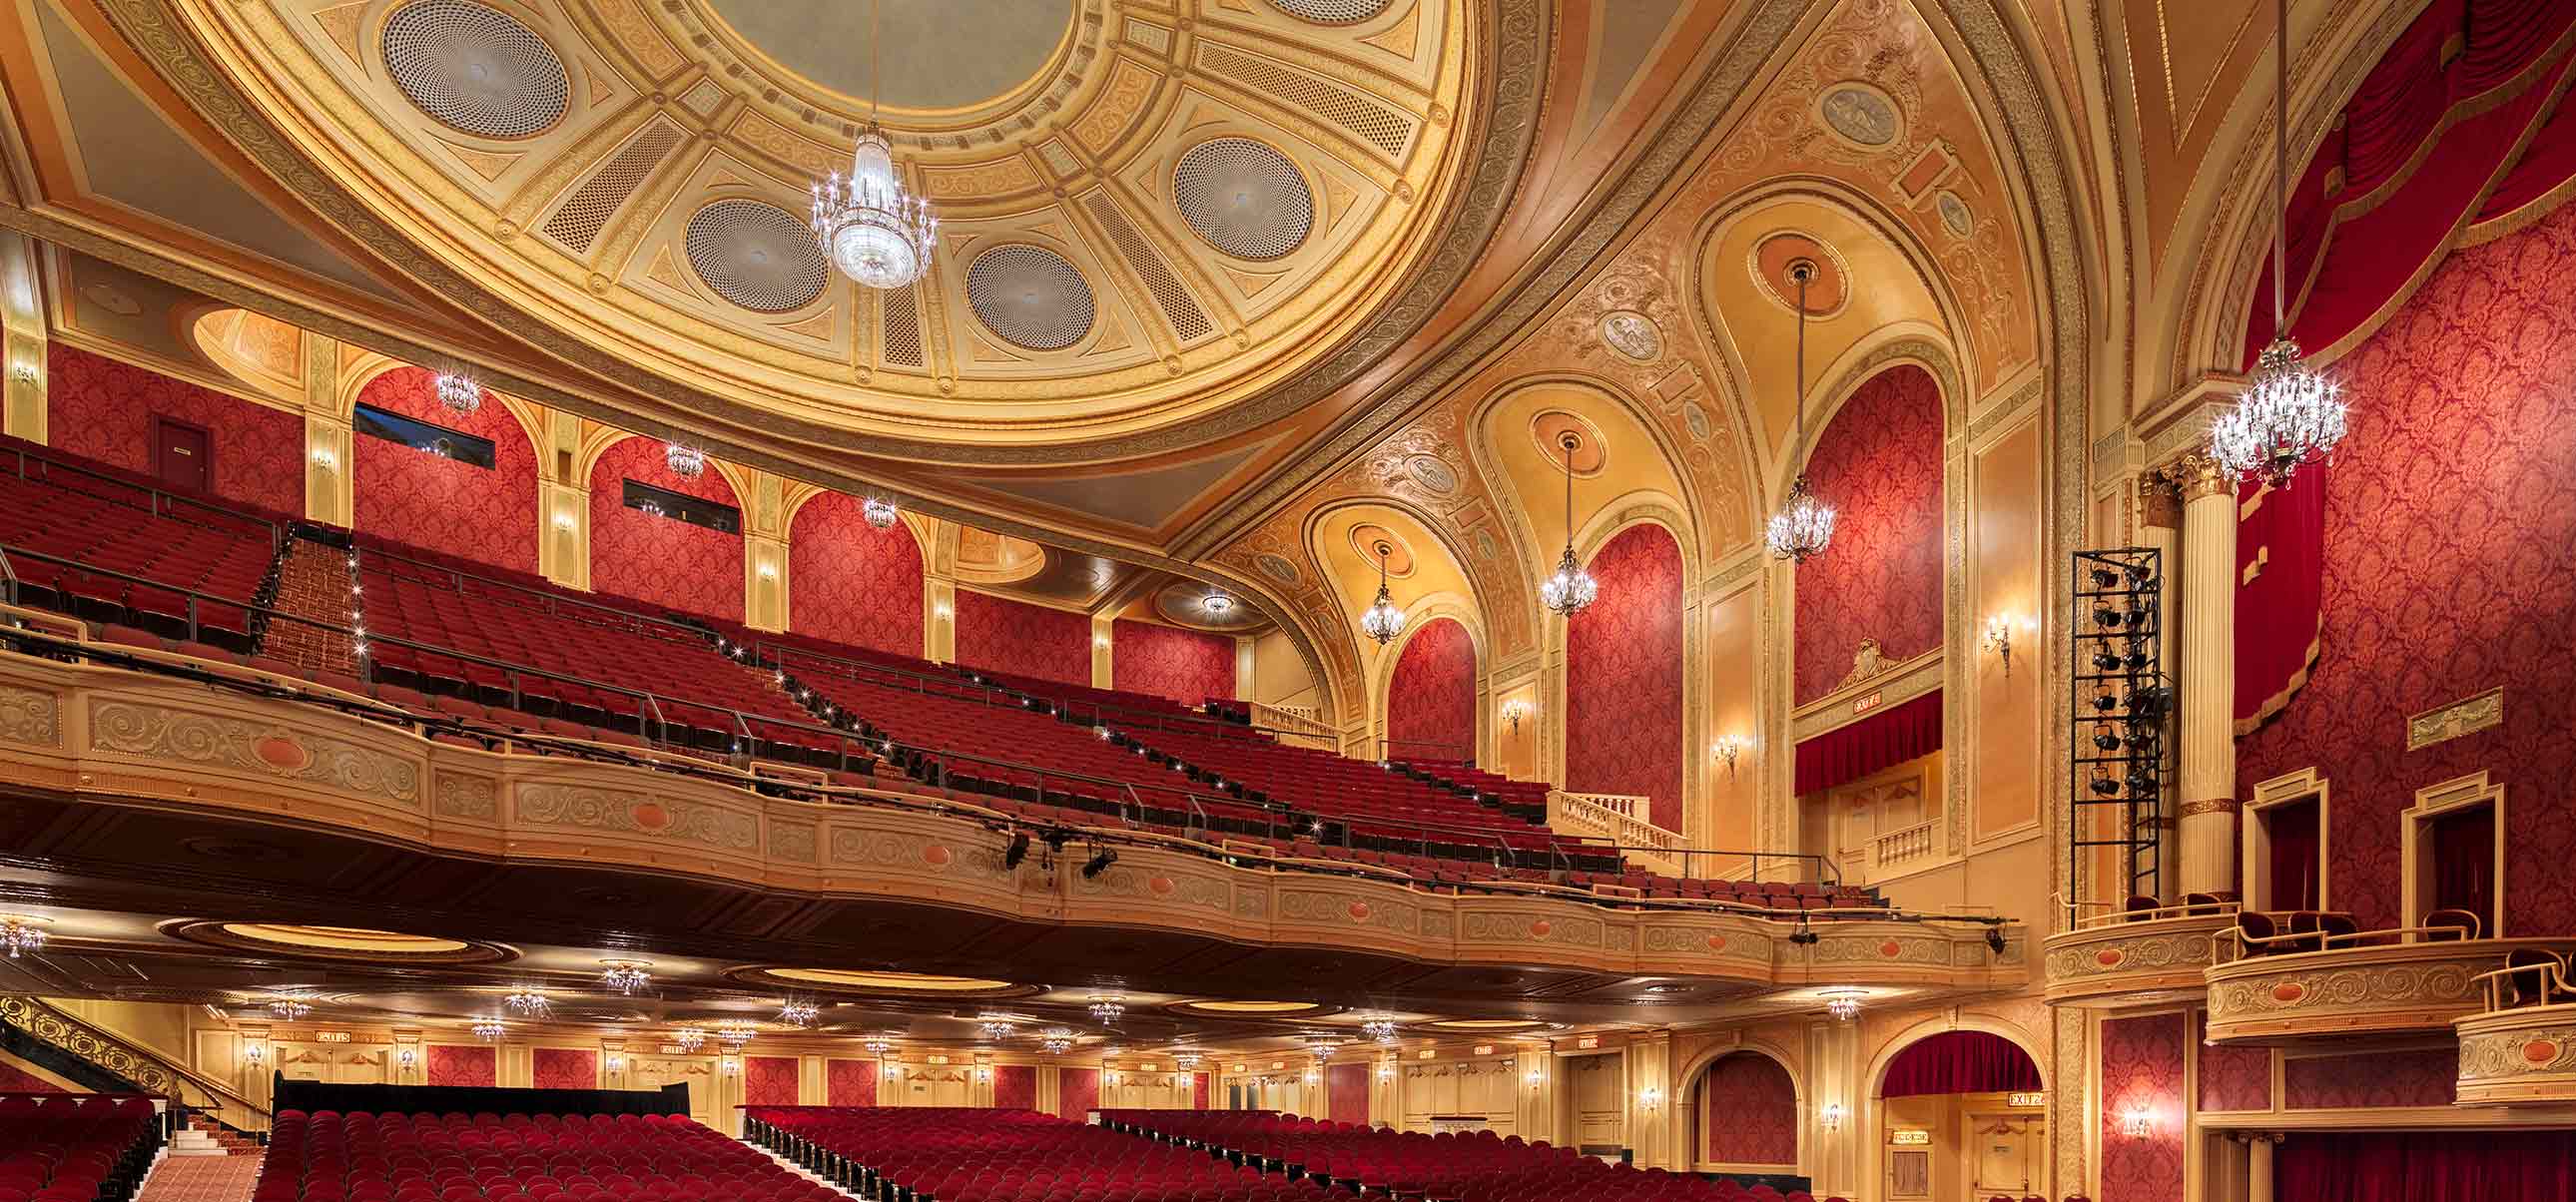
<point x="1287" y="600"/>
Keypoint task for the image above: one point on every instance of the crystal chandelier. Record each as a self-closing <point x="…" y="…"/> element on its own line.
<point x="289" y="1008"/>
<point x="1571" y="589"/>
<point x="795" y="1013"/>
<point x="689" y="1039"/>
<point x="1843" y="1004"/>
<point x="1217" y="604"/>
<point x="877" y="1047"/>
<point x="879" y="512"/>
<point x="459" y="393"/>
<point x="1107" y="1010"/>
<point x="526" y="1002"/>
<point x="1056" y="1042"/>
<point x="625" y="976"/>
<point x="1380" y="1030"/>
<point x="1185" y="1061"/>
<point x="2290" y="415"/>
<point x="685" y="462"/>
<point x="1382" y="621"/>
<point x="19" y="933"/>
<point x="874" y="231"/>
<point x="997" y="1029"/>
<point x="734" y="1035"/>
<point x="488" y="1029"/>
<point x="1805" y="525"/>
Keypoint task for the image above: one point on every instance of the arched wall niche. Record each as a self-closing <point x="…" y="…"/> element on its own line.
<point x="1766" y="1108"/>
<point x="1626" y="688"/>
<point x="411" y="496"/>
<point x="1430" y="684"/>
<point x="1439" y="583"/>
<point x="1530" y="479"/>
<point x="1880" y="461"/>
<point x="662" y="560"/>
<point x="1871" y="1106"/>
<point x="850" y="582"/>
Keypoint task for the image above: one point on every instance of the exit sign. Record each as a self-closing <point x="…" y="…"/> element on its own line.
<point x="1862" y="705"/>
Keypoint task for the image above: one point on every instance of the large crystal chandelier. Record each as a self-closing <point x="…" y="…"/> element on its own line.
<point x="1571" y="588"/>
<point x="1805" y="524"/>
<point x="1382" y="621"/>
<point x="625" y="976"/>
<point x="686" y="462"/>
<point x="735" y="1035"/>
<point x="2290" y="415"/>
<point x="289" y="1007"/>
<point x="875" y="232"/>
<point x="879" y="512"/>
<point x="688" y="1039"/>
<point x="797" y="1013"/>
<point x="997" y="1029"/>
<point x="1107" y="1010"/>
<point x="1379" y="1030"/>
<point x="19" y="933"/>
<point x="459" y="392"/>
<point x="1056" y="1041"/>
<point x="526" y="1002"/>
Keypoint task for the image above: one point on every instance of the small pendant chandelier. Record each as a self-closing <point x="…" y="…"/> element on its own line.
<point x="879" y="511"/>
<point x="685" y="462"/>
<point x="1566" y="593"/>
<point x="688" y="1039"/>
<point x="458" y="392"/>
<point x="1804" y="527"/>
<point x="796" y="1012"/>
<point x="2290" y="415"/>
<point x="1382" y="621"/>
<point x="489" y="1030"/>
<point x="873" y="230"/>
<point x="526" y="1002"/>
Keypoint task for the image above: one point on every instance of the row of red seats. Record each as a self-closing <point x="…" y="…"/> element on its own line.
<point x="105" y="520"/>
<point x="980" y="1155"/>
<point x="74" y="1147"/>
<point x="328" y="1156"/>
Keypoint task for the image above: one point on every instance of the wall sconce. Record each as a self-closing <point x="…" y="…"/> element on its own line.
<point x="325" y="458"/>
<point x="1998" y="639"/>
<point x="1651" y="1097"/>
<point x="1830" y="1116"/>
<point x="1726" y="749"/>
<point x="406" y="1057"/>
<point x="617" y="1064"/>
<point x="1386" y="1070"/>
<point x="1536" y="1077"/>
<point x="769" y="571"/>
<point x="1110" y="1077"/>
<point x="892" y="1070"/>
<point x="1513" y="711"/>
<point x="563" y="521"/>
<point x="253" y="1053"/>
<point x="942" y="609"/>
<point x="24" y="373"/>
<point x="983" y="1076"/>
<point x="1100" y="640"/>
<point x="2137" y="1122"/>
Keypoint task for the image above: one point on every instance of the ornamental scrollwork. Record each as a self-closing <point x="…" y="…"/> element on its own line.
<point x="52" y="1026"/>
<point x="31" y="717"/>
<point x="252" y="748"/>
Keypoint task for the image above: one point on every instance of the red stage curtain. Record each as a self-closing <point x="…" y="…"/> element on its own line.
<point x="2281" y="544"/>
<point x="2464" y="864"/>
<point x="1961" y="1062"/>
<point x="2426" y="1166"/>
<point x="1891" y="736"/>
<point x="2293" y="830"/>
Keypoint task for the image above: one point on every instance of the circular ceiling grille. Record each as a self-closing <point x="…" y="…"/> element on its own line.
<point x="1332" y="12"/>
<point x="1030" y="296"/>
<point x="757" y="255"/>
<point x="475" y="69"/>
<point x="1243" y="197"/>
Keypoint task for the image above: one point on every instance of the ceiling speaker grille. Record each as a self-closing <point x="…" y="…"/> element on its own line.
<point x="578" y="222"/>
<point x="475" y="69"/>
<point x="757" y="255"/>
<point x="1245" y="198"/>
<point x="1332" y="12"/>
<point x="1374" y="123"/>
<point x="902" y="328"/>
<point x="1030" y="296"/>
<point x="1178" y="306"/>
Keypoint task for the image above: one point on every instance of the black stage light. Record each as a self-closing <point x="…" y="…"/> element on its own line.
<point x="2105" y="740"/>
<point x="1101" y="859"/>
<point x="1803" y="936"/>
<point x="1055" y="840"/>
<point x="2102" y="578"/>
<point x="1018" y="851"/>
<point x="1995" y="940"/>
<point x="2108" y="661"/>
<point x="2105" y="785"/>
<point x="2107" y="616"/>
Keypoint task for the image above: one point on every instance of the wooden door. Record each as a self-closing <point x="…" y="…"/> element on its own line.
<point x="2004" y="1157"/>
<point x="183" y="456"/>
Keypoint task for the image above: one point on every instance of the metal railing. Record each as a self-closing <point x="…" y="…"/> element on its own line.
<point x="185" y="1088"/>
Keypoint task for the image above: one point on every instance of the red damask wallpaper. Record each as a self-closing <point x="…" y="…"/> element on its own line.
<point x="1023" y="639"/>
<point x="1166" y="661"/>
<point x="2235" y="1078"/>
<point x="1750" y="1111"/>
<point x="1015" y="1087"/>
<point x="103" y="409"/>
<point x="1346" y="1092"/>
<point x="1879" y="465"/>
<point x="2450" y="536"/>
<point x="2421" y="1078"/>
<point x="1202" y="1086"/>
<point x="2142" y="1073"/>
<point x="14" y="1079"/>
<point x="1431" y="698"/>
<point x="850" y="582"/>
<point x="1623" y="679"/>
<point x="659" y="560"/>
<point x="488" y="515"/>
<point x="461" y="1064"/>
<point x="850" y="1082"/>
<point x="1080" y="1092"/>
<point x="769" y="1080"/>
<point x="564" y="1068"/>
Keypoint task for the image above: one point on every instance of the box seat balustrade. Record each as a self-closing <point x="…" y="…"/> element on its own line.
<point x="2520" y="1046"/>
<point x="2140" y="950"/>
<point x="2283" y="977"/>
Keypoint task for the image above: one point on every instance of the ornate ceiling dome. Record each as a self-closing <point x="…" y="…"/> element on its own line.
<point x="1151" y="221"/>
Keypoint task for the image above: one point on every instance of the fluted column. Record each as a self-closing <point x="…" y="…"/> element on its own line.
<point x="2206" y="772"/>
<point x="2160" y="527"/>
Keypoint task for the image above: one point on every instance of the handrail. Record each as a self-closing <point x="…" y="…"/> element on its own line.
<point x="2553" y="982"/>
<point x="149" y="1071"/>
<point x="2077" y="921"/>
<point x="359" y="551"/>
<point x="157" y="495"/>
<point x="2320" y="941"/>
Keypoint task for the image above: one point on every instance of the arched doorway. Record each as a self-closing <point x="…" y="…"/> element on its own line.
<point x="1959" y="1116"/>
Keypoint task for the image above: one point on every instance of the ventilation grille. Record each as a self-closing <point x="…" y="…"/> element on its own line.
<point x="577" y="223"/>
<point x="902" y="328"/>
<point x="757" y="255"/>
<point x="1374" y="123"/>
<point x="1331" y="12"/>
<point x="475" y="69"/>
<point x="1030" y="296"/>
<point x="1179" y="307"/>
<point x="1245" y="198"/>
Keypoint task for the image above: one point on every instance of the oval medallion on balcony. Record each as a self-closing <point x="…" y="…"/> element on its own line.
<point x="1889" y="949"/>
<point x="2110" y="957"/>
<point x="1359" y="911"/>
<point x="2289" y="991"/>
<point x="1161" y="885"/>
<point x="282" y="752"/>
<point x="2540" y="1051"/>
<point x="1539" y="929"/>
<point x="936" y="855"/>
<point x="1717" y="943"/>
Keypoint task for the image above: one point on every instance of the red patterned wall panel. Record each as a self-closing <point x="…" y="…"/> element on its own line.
<point x="1015" y="1087"/>
<point x="2235" y="1078"/>
<point x="488" y="515"/>
<point x="14" y="1079"/>
<point x="2421" y="1078"/>
<point x="463" y="1064"/>
<point x="1431" y="697"/>
<point x="1078" y="1092"/>
<point x="850" y="1082"/>
<point x="1623" y="678"/>
<point x="1879" y="465"/>
<point x="769" y="1080"/>
<point x="2142" y="1071"/>
<point x="98" y="407"/>
<point x="659" y="560"/>
<point x="1185" y="665"/>
<point x="850" y="582"/>
<point x="1750" y="1111"/>
<point x="1202" y="1087"/>
<point x="2450" y="536"/>
<point x="1346" y="1092"/>
<point x="564" y="1068"/>
<point x="1023" y="639"/>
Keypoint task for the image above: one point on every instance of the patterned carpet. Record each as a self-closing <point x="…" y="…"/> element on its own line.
<point x="201" y="1179"/>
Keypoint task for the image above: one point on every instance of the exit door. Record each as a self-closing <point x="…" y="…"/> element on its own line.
<point x="182" y="456"/>
<point x="2005" y="1157"/>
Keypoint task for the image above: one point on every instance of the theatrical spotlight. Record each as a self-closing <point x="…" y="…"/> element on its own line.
<point x="1995" y="940"/>
<point x="1101" y="859"/>
<point x="1804" y="936"/>
<point x="1017" y="851"/>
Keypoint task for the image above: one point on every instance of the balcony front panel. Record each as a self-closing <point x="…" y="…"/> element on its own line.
<point x="2378" y="989"/>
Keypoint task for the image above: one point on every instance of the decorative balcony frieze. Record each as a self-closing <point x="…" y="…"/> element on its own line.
<point x="2522" y="1055"/>
<point x="2364" y="989"/>
<point x="2128" y="961"/>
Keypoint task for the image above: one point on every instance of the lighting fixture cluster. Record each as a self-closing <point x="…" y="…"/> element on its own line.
<point x="1571" y="589"/>
<point x="20" y="933"/>
<point x="879" y="511"/>
<point x="997" y="1029"/>
<point x="1843" y="1004"/>
<point x="1185" y="1061"/>
<point x="1380" y="1030"/>
<point x="1804" y="525"/>
<point x="797" y="1013"/>
<point x="877" y="1047"/>
<point x="526" y="1002"/>
<point x="689" y="1039"/>
<point x="489" y="1030"/>
<point x="734" y="1035"/>
<point x="628" y="977"/>
<point x="1107" y="1010"/>
<point x="289" y="1007"/>
<point x="1056" y="1041"/>
<point x="1382" y="621"/>
<point x="686" y="462"/>
<point x="458" y="392"/>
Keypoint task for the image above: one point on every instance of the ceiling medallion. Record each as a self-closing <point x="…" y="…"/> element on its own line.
<point x="880" y="513"/>
<point x="686" y="462"/>
<point x="1804" y="526"/>
<point x="1571" y="589"/>
<point x="459" y="393"/>
<point x="1217" y="604"/>
<point x="20" y="933"/>
<point x="2291" y="415"/>
<point x="627" y="977"/>
<point x="876" y="233"/>
<point x="1382" y="621"/>
<point x="1633" y="334"/>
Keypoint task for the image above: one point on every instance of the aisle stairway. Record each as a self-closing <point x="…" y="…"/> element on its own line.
<point x="205" y="1137"/>
<point x="313" y="582"/>
<point x="182" y="1177"/>
<point x="798" y="1169"/>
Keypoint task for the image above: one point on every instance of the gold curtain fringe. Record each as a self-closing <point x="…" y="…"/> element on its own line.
<point x="2298" y="680"/>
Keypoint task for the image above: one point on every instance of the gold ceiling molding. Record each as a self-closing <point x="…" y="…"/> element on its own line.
<point x="336" y="943"/>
